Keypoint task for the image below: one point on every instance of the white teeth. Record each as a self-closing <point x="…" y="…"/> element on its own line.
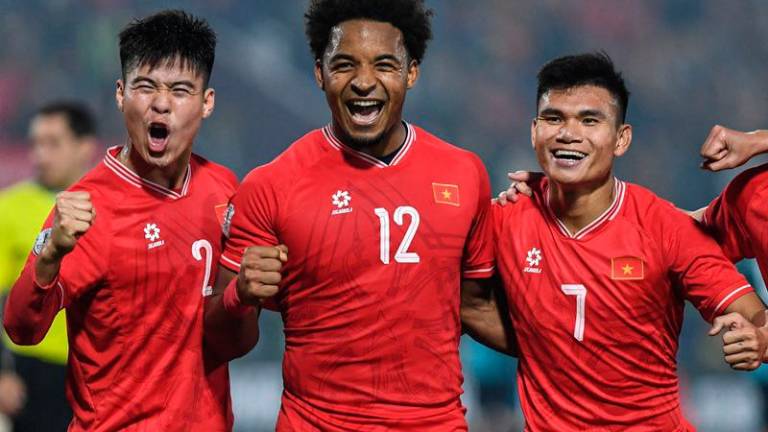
<point x="364" y="104"/>
<point x="571" y="153"/>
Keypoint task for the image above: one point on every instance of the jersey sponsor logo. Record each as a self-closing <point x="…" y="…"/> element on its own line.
<point x="533" y="258"/>
<point x="446" y="194"/>
<point x="627" y="268"/>
<point x="341" y="200"/>
<point x="152" y="234"/>
<point x="41" y="240"/>
<point x="224" y="213"/>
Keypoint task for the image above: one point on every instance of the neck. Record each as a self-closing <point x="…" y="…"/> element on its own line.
<point x="170" y="176"/>
<point x="579" y="206"/>
<point x="390" y="141"/>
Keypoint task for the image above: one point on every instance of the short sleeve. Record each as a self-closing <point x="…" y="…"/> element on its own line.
<point x="723" y="219"/>
<point x="708" y="279"/>
<point x="478" y="258"/>
<point x="252" y="218"/>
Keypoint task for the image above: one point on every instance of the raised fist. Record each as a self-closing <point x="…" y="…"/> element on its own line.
<point x="73" y="216"/>
<point x="260" y="273"/>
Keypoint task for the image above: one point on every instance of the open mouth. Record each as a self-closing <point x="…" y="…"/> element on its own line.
<point x="158" y="136"/>
<point x="568" y="157"/>
<point x="365" y="112"/>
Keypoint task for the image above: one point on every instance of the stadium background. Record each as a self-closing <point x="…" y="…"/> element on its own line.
<point x="689" y="65"/>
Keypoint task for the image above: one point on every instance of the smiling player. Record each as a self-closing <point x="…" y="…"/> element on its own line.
<point x="380" y="221"/>
<point x="596" y="271"/>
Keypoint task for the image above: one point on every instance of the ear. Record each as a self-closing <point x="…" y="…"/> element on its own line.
<point x="319" y="79"/>
<point x="119" y="94"/>
<point x="533" y="132"/>
<point x="624" y="140"/>
<point x="209" y="100"/>
<point x="413" y="74"/>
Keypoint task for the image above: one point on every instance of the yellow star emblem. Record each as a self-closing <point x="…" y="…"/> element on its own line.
<point x="446" y="194"/>
<point x="627" y="269"/>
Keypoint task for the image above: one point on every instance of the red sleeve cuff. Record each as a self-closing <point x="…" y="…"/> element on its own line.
<point x="232" y="303"/>
<point x="229" y="263"/>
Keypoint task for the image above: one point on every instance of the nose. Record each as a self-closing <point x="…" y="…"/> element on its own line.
<point x="161" y="102"/>
<point x="364" y="81"/>
<point x="567" y="134"/>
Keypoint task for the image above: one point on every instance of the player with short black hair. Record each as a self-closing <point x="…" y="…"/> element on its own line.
<point x="360" y="234"/>
<point x="597" y="270"/>
<point x="412" y="18"/>
<point x="128" y="250"/>
<point x="580" y="70"/>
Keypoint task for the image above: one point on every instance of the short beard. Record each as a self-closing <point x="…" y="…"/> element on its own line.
<point x="357" y="143"/>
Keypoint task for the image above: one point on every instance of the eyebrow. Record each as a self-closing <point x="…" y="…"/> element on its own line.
<point x="550" y="112"/>
<point x="592" y="113"/>
<point x="143" y="79"/>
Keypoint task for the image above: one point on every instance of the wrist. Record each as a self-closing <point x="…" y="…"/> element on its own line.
<point x="232" y="302"/>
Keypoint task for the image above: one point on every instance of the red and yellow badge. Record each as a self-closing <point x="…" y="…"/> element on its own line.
<point x="446" y="193"/>
<point x="627" y="268"/>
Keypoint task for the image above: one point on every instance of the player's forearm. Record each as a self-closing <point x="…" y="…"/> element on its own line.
<point x="228" y="336"/>
<point x="488" y="328"/>
<point x="47" y="266"/>
<point x="31" y="308"/>
<point x="483" y="318"/>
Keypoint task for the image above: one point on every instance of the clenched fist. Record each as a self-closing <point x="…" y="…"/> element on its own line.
<point x="260" y="273"/>
<point x="73" y="216"/>
<point x="727" y="148"/>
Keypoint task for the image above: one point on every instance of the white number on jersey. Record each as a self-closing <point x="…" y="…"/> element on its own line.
<point x="580" y="291"/>
<point x="197" y="247"/>
<point x="402" y="255"/>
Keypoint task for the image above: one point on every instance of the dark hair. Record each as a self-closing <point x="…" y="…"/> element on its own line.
<point x="411" y="17"/>
<point x="78" y="116"/>
<point x="165" y="37"/>
<point x="584" y="69"/>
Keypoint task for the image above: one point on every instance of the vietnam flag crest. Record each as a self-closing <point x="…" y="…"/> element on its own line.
<point x="627" y="268"/>
<point x="446" y="194"/>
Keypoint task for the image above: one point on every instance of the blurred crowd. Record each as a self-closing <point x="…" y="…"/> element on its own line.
<point x="689" y="65"/>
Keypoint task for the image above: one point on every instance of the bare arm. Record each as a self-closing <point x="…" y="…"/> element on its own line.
<point x="484" y="315"/>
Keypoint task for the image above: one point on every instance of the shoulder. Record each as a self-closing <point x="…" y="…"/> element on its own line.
<point x="219" y="173"/>
<point x="439" y="148"/>
<point x="655" y="215"/>
<point x="301" y="155"/>
<point x="23" y="191"/>
<point x="748" y="188"/>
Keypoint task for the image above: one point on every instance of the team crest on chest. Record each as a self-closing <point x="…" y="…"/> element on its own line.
<point x="152" y="234"/>
<point x="341" y="201"/>
<point x="534" y="259"/>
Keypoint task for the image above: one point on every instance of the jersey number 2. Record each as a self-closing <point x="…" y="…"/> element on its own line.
<point x="580" y="291"/>
<point x="197" y="247"/>
<point x="402" y="255"/>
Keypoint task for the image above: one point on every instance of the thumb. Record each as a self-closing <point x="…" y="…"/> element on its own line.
<point x="717" y="326"/>
<point x="283" y="249"/>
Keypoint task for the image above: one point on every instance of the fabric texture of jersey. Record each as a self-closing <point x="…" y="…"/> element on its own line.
<point x="23" y="209"/>
<point x="133" y="291"/>
<point x="597" y="314"/>
<point x="738" y="217"/>
<point x="370" y="293"/>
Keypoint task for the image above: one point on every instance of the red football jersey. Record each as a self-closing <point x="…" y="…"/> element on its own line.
<point x="597" y="314"/>
<point x="738" y="217"/>
<point x="371" y="291"/>
<point x="133" y="291"/>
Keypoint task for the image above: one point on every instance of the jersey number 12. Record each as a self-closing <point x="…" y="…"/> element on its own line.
<point x="402" y="255"/>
